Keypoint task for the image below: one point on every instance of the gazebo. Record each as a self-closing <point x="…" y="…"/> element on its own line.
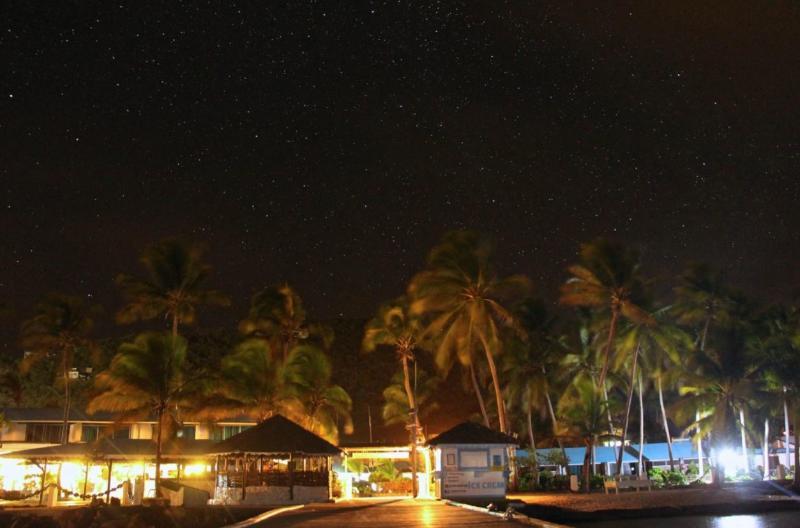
<point x="275" y="462"/>
<point x="99" y="469"/>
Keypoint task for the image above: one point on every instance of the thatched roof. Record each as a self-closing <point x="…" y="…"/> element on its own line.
<point x="120" y="449"/>
<point x="276" y="435"/>
<point x="472" y="433"/>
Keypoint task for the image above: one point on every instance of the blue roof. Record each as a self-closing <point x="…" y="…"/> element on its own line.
<point x="655" y="452"/>
<point x="575" y="455"/>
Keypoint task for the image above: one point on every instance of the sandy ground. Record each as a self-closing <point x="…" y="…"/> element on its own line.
<point x="655" y="499"/>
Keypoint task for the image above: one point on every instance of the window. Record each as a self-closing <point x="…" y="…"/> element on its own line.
<point x="473" y="459"/>
<point x="43" y="433"/>
<point x="89" y="433"/>
<point x="186" y="431"/>
<point x="223" y="432"/>
<point x="121" y="433"/>
<point x="497" y="460"/>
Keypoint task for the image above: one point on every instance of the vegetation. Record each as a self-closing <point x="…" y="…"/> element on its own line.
<point x="706" y="360"/>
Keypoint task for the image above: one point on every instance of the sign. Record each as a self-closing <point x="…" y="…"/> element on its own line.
<point x="474" y="483"/>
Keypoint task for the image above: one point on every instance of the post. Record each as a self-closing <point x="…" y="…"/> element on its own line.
<point x="85" y="479"/>
<point x="291" y="477"/>
<point x="216" y="475"/>
<point x="108" y="484"/>
<point x="244" y="478"/>
<point x="44" y="477"/>
<point x="699" y="447"/>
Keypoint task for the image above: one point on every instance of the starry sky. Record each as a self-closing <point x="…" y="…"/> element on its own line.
<point x="330" y="144"/>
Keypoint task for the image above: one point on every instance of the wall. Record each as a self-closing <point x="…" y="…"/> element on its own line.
<point x="262" y="495"/>
<point x="471" y="470"/>
<point x="13" y="432"/>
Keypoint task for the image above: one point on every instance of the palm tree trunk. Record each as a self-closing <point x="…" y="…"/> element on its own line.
<point x="175" y="325"/>
<point x="587" y="461"/>
<point x="608" y="411"/>
<point x="160" y="416"/>
<point x="666" y="423"/>
<point x="700" y="468"/>
<point x="796" y="481"/>
<point x="478" y="395"/>
<point x="628" y="402"/>
<point x="67" y="397"/>
<point x="641" y="428"/>
<point x="744" y="441"/>
<point x="414" y="423"/>
<point x="554" y="422"/>
<point x="498" y="391"/>
<point x="786" y="429"/>
<point x="704" y="335"/>
<point x="533" y="446"/>
<point x="612" y="330"/>
<point x="765" y="449"/>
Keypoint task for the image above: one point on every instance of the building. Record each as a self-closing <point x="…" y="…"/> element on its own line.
<point x="471" y="462"/>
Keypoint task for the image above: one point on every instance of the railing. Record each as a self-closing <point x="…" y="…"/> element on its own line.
<point x="274" y="478"/>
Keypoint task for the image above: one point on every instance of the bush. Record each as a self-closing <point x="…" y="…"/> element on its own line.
<point x="661" y="478"/>
<point x="596" y="482"/>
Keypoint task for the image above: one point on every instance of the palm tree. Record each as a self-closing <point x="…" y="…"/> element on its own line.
<point x="148" y="377"/>
<point x="394" y="326"/>
<point x="606" y="278"/>
<point x="250" y="383"/>
<point x="467" y="302"/>
<point x="312" y="397"/>
<point x="583" y="411"/>
<point x="724" y="385"/>
<point x="702" y="299"/>
<point x="395" y="400"/>
<point x="531" y="362"/>
<point x="174" y="287"/>
<point x="657" y="344"/>
<point x="779" y="350"/>
<point x="60" y="326"/>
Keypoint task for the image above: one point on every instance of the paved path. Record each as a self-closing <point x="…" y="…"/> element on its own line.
<point x="403" y="513"/>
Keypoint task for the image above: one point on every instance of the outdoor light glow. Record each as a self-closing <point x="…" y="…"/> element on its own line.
<point x="197" y="468"/>
<point x="730" y="459"/>
<point x="72" y="476"/>
<point x="12" y="474"/>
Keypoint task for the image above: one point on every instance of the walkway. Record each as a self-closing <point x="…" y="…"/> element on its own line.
<point x="402" y="513"/>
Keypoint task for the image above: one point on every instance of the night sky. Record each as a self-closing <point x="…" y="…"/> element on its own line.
<point x="330" y="144"/>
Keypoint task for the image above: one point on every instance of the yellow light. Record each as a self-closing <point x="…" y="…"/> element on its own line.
<point x="72" y="476"/>
<point x="12" y="474"/>
<point x="196" y="468"/>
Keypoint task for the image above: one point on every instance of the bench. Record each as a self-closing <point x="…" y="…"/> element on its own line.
<point x="627" y="483"/>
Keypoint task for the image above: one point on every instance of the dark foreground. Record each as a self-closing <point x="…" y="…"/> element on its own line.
<point x="753" y="499"/>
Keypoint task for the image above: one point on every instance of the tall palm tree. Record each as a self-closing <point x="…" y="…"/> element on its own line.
<point x="174" y="287"/>
<point x="779" y="350"/>
<point x="658" y="345"/>
<point x="530" y="364"/>
<point x="148" y="378"/>
<point x="583" y="410"/>
<point x="606" y="278"/>
<point x="724" y="385"/>
<point x="394" y="326"/>
<point x="60" y="326"/>
<point x="468" y="304"/>
<point x="313" y="398"/>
